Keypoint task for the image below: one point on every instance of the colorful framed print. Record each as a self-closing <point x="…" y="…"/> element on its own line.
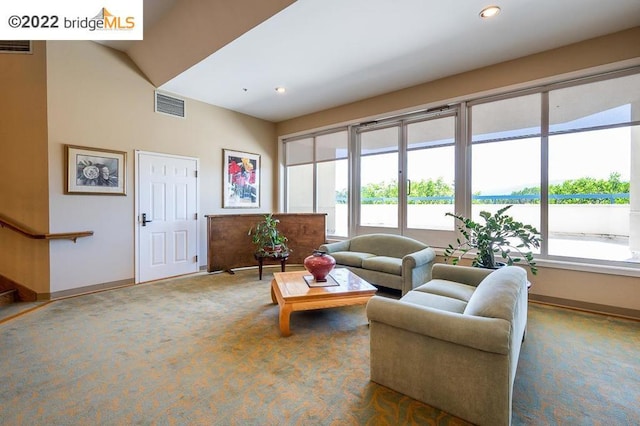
<point x="241" y="179"/>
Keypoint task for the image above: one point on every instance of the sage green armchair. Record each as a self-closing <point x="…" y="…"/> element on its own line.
<point x="454" y="342"/>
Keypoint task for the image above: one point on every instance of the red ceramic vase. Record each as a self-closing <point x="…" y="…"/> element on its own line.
<point x="319" y="264"/>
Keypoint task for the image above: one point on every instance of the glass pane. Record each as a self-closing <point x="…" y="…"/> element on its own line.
<point x="603" y="103"/>
<point x="507" y="171"/>
<point x="379" y="178"/>
<point x="332" y="146"/>
<point x="431" y="174"/>
<point x="506" y="119"/>
<point x="590" y="181"/>
<point x="333" y="196"/>
<point x="300" y="189"/>
<point x="431" y="133"/>
<point x="379" y="141"/>
<point x="300" y="151"/>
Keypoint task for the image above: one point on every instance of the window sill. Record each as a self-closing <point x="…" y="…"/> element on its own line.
<point x="596" y="268"/>
<point x="589" y="267"/>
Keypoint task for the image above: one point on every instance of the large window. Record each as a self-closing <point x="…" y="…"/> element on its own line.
<point x="431" y="173"/>
<point x="566" y="156"/>
<point x="379" y="177"/>
<point x="300" y="170"/>
<point x="317" y="178"/>
<point x="594" y="159"/>
<point x="505" y="164"/>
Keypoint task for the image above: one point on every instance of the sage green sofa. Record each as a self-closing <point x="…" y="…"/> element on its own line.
<point x="454" y="342"/>
<point x="387" y="260"/>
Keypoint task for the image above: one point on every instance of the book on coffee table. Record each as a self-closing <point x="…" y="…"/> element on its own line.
<point x="311" y="282"/>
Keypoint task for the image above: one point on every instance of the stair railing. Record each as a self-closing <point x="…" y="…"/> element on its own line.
<point x="29" y="233"/>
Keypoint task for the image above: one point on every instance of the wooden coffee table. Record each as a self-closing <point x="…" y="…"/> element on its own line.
<point x="292" y="293"/>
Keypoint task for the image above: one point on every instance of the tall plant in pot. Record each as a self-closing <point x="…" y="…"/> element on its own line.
<point x="499" y="237"/>
<point x="267" y="238"/>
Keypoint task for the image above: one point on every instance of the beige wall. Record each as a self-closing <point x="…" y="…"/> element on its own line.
<point x="23" y="174"/>
<point x="98" y="98"/>
<point x="586" y="289"/>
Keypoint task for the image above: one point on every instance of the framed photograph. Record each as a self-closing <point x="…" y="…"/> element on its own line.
<point x="95" y="171"/>
<point x="241" y="179"/>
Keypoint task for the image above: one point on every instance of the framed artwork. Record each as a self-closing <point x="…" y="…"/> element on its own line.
<point x="241" y="179"/>
<point x="95" y="171"/>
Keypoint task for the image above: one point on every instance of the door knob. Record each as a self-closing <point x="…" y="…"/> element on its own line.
<point x="144" y="219"/>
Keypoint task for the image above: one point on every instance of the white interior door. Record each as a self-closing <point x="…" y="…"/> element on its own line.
<point x="166" y="211"/>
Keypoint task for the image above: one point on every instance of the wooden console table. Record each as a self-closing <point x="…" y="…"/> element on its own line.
<point x="229" y="246"/>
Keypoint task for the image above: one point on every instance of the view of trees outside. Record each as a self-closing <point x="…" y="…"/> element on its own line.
<point x="584" y="190"/>
<point x="589" y="190"/>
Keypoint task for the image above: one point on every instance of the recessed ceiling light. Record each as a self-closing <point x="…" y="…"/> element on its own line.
<point x="489" y="11"/>
<point x="280" y="89"/>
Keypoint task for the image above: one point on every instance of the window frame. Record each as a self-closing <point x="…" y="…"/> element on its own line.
<point x="463" y="171"/>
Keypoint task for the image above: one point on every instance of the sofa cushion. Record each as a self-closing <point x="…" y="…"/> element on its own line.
<point x="351" y="258"/>
<point x="448" y="289"/>
<point x="497" y="294"/>
<point x="390" y="265"/>
<point x="434" y="301"/>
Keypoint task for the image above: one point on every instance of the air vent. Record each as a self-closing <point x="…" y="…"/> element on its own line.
<point x="15" y="46"/>
<point x="169" y="105"/>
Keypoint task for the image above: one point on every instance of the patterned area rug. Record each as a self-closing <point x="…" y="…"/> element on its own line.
<point x="207" y="350"/>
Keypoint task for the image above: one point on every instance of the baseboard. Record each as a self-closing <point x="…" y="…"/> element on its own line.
<point x="586" y="306"/>
<point x="85" y="290"/>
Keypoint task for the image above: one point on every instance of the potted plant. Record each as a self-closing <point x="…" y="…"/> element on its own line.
<point x="267" y="238"/>
<point x="499" y="235"/>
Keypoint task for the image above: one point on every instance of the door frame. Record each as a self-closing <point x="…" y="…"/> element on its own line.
<point x="136" y="218"/>
<point x="436" y="237"/>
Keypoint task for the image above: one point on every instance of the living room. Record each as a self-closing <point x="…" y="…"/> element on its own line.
<point x="64" y="91"/>
<point x="87" y="94"/>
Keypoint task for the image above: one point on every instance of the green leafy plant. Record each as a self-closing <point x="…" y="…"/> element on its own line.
<point x="500" y="235"/>
<point x="267" y="238"/>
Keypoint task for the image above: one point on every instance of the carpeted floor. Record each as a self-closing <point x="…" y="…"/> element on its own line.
<point x="206" y="350"/>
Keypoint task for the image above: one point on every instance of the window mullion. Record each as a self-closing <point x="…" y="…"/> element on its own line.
<point x="544" y="174"/>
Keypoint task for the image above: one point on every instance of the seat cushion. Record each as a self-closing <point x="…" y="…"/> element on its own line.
<point x="390" y="265"/>
<point x="351" y="258"/>
<point x="434" y="301"/>
<point x="448" y="289"/>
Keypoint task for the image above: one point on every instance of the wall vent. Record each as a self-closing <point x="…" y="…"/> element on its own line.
<point x="15" y="46"/>
<point x="169" y="105"/>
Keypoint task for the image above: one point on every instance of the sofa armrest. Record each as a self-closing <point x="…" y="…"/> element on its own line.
<point x="485" y="334"/>
<point x="336" y="246"/>
<point x="462" y="274"/>
<point x="419" y="258"/>
<point x="416" y="268"/>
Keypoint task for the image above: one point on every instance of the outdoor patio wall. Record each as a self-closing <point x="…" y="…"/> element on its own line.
<point x="607" y="220"/>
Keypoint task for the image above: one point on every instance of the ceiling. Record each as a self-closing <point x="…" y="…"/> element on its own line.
<point x="331" y="52"/>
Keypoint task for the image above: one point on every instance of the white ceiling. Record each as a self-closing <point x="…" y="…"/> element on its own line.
<point x="331" y="52"/>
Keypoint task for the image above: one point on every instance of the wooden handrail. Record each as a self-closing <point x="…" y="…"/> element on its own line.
<point x="23" y="230"/>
